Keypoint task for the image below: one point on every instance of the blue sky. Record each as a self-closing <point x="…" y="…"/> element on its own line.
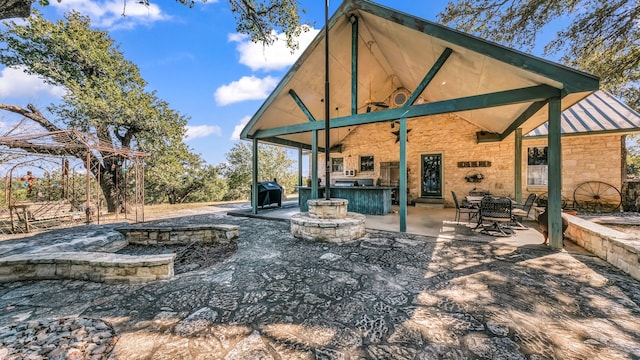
<point x="193" y="58"/>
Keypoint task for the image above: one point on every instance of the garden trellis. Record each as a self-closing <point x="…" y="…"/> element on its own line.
<point x="51" y="177"/>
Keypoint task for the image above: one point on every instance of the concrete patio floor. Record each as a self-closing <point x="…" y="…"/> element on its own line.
<point x="386" y="296"/>
<point x="431" y="222"/>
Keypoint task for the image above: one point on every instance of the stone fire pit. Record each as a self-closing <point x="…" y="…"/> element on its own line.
<point x="328" y="220"/>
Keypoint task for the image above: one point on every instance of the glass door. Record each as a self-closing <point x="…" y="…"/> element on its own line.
<point x="431" y="175"/>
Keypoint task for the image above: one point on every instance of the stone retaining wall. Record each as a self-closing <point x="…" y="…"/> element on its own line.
<point x="613" y="246"/>
<point x="111" y="267"/>
<point x="184" y="234"/>
<point x="91" y="266"/>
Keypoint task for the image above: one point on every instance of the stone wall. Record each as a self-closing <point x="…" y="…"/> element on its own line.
<point x="585" y="158"/>
<point x="91" y="266"/>
<point x="185" y="234"/>
<point x="613" y="246"/>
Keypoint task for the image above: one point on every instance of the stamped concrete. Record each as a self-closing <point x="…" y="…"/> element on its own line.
<point x="386" y="296"/>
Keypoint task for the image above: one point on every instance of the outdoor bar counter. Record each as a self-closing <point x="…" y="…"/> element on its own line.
<point x="368" y="200"/>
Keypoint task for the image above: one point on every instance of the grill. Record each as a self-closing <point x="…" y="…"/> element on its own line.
<point x="269" y="192"/>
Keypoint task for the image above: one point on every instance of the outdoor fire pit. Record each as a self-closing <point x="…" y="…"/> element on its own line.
<point x="328" y="220"/>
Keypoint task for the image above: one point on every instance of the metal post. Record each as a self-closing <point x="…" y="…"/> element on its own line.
<point x="354" y="63"/>
<point x="554" y="158"/>
<point x="327" y="125"/>
<point x="88" y="189"/>
<point x="403" y="175"/>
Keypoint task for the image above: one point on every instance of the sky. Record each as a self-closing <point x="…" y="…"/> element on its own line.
<point x="193" y="58"/>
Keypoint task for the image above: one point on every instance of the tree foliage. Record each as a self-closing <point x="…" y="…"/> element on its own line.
<point x="601" y="36"/>
<point x="259" y="19"/>
<point x="105" y="96"/>
<point x="273" y="163"/>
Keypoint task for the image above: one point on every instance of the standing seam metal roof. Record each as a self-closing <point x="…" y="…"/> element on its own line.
<point x="599" y="112"/>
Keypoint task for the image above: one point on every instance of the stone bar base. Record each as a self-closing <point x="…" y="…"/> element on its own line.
<point x="179" y="235"/>
<point x="328" y="220"/>
<point x="91" y="266"/>
<point x="613" y="246"/>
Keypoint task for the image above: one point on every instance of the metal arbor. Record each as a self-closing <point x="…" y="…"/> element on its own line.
<point x="53" y="178"/>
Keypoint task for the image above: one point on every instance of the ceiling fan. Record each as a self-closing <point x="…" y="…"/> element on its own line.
<point x="370" y="103"/>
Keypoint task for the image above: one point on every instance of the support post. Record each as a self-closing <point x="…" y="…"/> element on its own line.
<point x="354" y="63"/>
<point x="299" y="173"/>
<point x="403" y="175"/>
<point x="517" y="176"/>
<point x="554" y="158"/>
<point x="254" y="178"/>
<point x="314" y="165"/>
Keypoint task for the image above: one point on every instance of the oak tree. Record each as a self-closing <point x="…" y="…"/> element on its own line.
<point x="601" y="37"/>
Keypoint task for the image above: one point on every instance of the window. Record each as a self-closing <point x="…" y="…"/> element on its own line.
<point x="537" y="166"/>
<point x="337" y="164"/>
<point x="366" y="163"/>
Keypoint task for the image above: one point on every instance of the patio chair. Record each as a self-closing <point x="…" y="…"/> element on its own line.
<point x="472" y="212"/>
<point x="524" y="210"/>
<point x="497" y="211"/>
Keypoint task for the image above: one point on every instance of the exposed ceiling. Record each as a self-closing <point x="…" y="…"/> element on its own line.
<point x="394" y="53"/>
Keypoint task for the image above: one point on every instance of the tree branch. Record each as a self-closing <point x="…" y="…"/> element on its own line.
<point x="31" y="112"/>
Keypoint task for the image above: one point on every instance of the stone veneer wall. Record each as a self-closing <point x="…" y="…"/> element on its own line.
<point x="584" y="158"/>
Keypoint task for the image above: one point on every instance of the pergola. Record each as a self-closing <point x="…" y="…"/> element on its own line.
<point x="377" y="53"/>
<point x="65" y="151"/>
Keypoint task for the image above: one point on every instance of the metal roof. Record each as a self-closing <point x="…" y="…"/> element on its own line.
<point x="599" y="112"/>
<point x="491" y="86"/>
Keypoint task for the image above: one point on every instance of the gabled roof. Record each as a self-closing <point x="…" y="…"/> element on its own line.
<point x="600" y="112"/>
<point x="496" y="88"/>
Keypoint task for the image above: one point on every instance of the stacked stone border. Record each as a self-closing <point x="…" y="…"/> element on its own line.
<point x="179" y="235"/>
<point x="110" y="267"/>
<point x="610" y="245"/>
<point x="328" y="220"/>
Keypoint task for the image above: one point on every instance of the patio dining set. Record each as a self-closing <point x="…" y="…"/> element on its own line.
<point x="494" y="215"/>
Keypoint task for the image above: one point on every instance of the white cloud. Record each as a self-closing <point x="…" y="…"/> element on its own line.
<point x="247" y="88"/>
<point x="200" y="131"/>
<point x="238" y="128"/>
<point x="275" y="57"/>
<point x="14" y="82"/>
<point x="110" y="13"/>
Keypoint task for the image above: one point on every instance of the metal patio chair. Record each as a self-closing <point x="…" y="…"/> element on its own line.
<point x="497" y="211"/>
<point x="522" y="211"/>
<point x="472" y="212"/>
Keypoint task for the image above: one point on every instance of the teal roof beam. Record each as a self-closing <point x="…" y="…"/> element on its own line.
<point x="508" y="97"/>
<point x="529" y="112"/>
<point x="429" y="76"/>
<point x="288" y="143"/>
<point x="301" y="105"/>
